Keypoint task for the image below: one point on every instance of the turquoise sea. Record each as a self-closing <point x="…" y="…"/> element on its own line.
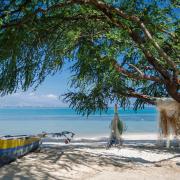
<point x="15" y="121"/>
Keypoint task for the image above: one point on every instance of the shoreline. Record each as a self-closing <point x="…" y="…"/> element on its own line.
<point x="129" y="135"/>
<point x="125" y="136"/>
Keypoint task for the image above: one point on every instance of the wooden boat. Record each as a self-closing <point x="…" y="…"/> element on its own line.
<point x="12" y="147"/>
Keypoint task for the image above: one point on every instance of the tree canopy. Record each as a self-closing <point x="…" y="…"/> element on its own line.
<point x="119" y="49"/>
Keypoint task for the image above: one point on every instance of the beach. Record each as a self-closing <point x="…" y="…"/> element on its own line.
<point x="89" y="90"/>
<point x="88" y="158"/>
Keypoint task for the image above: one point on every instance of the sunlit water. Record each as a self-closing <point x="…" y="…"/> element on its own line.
<point x="35" y="120"/>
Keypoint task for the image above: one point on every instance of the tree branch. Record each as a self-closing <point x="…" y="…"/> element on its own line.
<point x="148" y="99"/>
<point x="70" y="18"/>
<point x="132" y="94"/>
<point x="137" y="69"/>
<point x="134" y="76"/>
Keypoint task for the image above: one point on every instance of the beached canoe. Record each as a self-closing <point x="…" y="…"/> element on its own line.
<point x="12" y="147"/>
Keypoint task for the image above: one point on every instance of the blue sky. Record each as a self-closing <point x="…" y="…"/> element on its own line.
<point x="48" y="94"/>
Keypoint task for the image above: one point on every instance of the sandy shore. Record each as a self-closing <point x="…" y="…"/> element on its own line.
<point x="139" y="158"/>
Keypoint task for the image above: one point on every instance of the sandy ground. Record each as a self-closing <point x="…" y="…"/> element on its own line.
<point x="139" y="158"/>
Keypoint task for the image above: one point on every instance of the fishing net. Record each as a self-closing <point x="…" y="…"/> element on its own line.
<point x="117" y="128"/>
<point x="169" y="117"/>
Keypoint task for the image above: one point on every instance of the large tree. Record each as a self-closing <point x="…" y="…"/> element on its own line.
<point x="119" y="49"/>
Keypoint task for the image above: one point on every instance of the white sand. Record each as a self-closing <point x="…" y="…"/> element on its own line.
<point x="139" y="158"/>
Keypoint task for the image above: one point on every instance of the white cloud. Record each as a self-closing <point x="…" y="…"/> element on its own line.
<point x="51" y="96"/>
<point x="32" y="99"/>
<point x="31" y="94"/>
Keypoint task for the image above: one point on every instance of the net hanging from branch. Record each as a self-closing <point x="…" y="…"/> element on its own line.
<point x="116" y="130"/>
<point x="169" y="117"/>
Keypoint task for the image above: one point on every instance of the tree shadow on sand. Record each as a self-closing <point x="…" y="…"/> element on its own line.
<point x="52" y="160"/>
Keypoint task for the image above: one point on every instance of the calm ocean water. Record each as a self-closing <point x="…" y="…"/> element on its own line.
<point x="35" y="120"/>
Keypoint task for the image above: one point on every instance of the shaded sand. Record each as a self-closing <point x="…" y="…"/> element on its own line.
<point x="88" y="159"/>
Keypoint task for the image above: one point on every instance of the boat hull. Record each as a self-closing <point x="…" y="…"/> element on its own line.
<point x="12" y="148"/>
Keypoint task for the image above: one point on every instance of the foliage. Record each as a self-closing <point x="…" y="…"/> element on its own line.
<point x="113" y="57"/>
<point x="120" y="126"/>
